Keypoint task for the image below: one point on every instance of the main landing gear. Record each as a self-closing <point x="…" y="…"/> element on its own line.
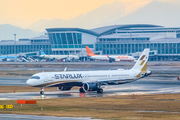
<point x="42" y="91"/>
<point x="99" y="90"/>
<point x="81" y="90"/>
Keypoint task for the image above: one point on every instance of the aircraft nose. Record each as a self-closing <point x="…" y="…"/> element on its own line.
<point x="28" y="82"/>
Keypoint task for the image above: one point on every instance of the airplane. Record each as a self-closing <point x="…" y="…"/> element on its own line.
<point x="112" y="58"/>
<point x="91" y="80"/>
<point x="58" y="57"/>
<point x="8" y="58"/>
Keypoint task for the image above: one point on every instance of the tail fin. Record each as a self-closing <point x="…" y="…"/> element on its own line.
<point x="141" y="63"/>
<point x="42" y="53"/>
<point x="89" y="52"/>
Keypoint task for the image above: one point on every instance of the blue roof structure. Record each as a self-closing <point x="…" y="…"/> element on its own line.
<point x="72" y="29"/>
<point x="106" y="29"/>
<point x="102" y="30"/>
<point x="44" y="37"/>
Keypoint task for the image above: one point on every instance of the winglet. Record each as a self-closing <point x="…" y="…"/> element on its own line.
<point x="65" y="69"/>
<point x="89" y="52"/>
<point x="107" y="55"/>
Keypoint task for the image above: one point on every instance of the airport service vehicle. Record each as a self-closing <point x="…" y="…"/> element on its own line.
<point x="91" y="80"/>
<point x="57" y="57"/>
<point x="27" y="59"/>
<point x="111" y="58"/>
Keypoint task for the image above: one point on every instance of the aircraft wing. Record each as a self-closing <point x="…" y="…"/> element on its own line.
<point x="112" y="59"/>
<point x="3" y="58"/>
<point x="116" y="81"/>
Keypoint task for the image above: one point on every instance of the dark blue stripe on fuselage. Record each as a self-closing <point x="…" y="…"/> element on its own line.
<point x="68" y="84"/>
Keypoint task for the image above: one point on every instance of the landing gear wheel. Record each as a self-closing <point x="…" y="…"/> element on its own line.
<point x="81" y="90"/>
<point x="100" y="90"/>
<point x="42" y="92"/>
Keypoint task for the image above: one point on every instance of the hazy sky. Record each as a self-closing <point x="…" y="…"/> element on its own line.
<point x="24" y="12"/>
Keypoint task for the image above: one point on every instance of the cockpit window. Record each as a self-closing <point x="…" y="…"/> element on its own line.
<point x="35" y="77"/>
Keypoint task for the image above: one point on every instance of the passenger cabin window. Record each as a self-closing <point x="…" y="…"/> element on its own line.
<point x="35" y="77"/>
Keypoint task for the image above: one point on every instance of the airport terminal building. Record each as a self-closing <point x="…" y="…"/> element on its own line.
<point x="131" y="39"/>
<point x="28" y="46"/>
<point x="164" y="43"/>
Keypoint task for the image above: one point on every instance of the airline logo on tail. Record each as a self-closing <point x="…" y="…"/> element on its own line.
<point x="89" y="52"/>
<point x="141" y="64"/>
<point x="41" y="52"/>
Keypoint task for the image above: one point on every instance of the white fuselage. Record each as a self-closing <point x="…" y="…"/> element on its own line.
<point x="117" y="58"/>
<point x="59" y="57"/>
<point x="50" y="78"/>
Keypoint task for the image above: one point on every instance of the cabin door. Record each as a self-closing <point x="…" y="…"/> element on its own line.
<point x="45" y="78"/>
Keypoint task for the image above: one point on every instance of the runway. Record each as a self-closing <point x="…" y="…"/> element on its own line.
<point x="149" y="85"/>
<point x="9" y="81"/>
<point x="35" y="117"/>
<point x="157" y="71"/>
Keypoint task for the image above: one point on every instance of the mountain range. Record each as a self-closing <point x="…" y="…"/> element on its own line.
<point x="7" y="32"/>
<point x="158" y="13"/>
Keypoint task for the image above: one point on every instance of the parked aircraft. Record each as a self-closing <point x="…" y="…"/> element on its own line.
<point x="91" y="80"/>
<point x="58" y="57"/>
<point x="111" y="58"/>
<point x="8" y="58"/>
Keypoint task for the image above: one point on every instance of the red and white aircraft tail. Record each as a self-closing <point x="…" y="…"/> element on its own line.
<point x="89" y="52"/>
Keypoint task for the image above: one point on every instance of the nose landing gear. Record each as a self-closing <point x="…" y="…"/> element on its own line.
<point x="42" y="91"/>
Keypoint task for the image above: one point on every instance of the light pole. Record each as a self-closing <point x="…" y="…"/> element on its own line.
<point x="81" y="50"/>
<point x="15" y="44"/>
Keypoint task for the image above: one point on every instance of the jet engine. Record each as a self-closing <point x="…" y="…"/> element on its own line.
<point x="90" y="86"/>
<point x="64" y="88"/>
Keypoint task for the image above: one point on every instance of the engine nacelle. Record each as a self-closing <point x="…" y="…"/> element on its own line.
<point x="90" y="86"/>
<point x="64" y="88"/>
